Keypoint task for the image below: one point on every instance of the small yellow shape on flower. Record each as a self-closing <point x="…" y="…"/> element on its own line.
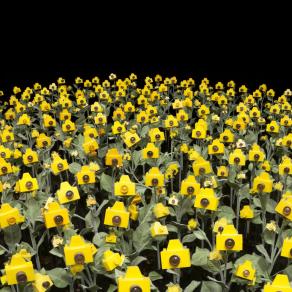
<point x="174" y="288"/>
<point x="175" y="255"/>
<point x="111" y="260"/>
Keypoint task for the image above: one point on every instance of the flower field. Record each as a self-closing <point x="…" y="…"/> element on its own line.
<point x="145" y="185"/>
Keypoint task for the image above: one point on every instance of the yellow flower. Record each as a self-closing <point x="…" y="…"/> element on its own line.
<point x="278" y="186"/>
<point x="215" y="255"/>
<point x="90" y="201"/>
<point x="219" y="225"/>
<point x="272" y="226"/>
<point x="192" y="224"/>
<point x="57" y="240"/>
<point x="246" y="212"/>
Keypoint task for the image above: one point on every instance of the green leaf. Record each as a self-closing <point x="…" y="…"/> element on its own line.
<point x="106" y="182"/>
<point x="74" y="167"/>
<point x="99" y="238"/>
<point x="227" y="212"/>
<point x="288" y="272"/>
<point x="189" y="238"/>
<point x="138" y="260"/>
<point x="154" y="276"/>
<point x="33" y="210"/>
<point x="141" y="236"/>
<point x="92" y="221"/>
<point x="209" y="286"/>
<point x="56" y="252"/>
<point x="60" y="277"/>
<point x="269" y="237"/>
<point x="112" y="288"/>
<point x="192" y="286"/>
<point x="263" y="251"/>
<point x="200" y="257"/>
<point x="12" y="236"/>
<point x="136" y="156"/>
<point x="200" y="234"/>
<point x="271" y="205"/>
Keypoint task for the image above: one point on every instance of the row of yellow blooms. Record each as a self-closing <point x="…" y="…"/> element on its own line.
<point x="261" y="112"/>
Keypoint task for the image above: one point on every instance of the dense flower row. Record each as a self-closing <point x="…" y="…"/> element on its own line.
<point x="105" y="185"/>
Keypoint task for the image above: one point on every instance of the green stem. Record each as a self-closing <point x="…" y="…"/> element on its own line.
<point x="34" y="245"/>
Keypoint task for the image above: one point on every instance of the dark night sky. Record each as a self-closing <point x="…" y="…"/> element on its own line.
<point x="247" y="45"/>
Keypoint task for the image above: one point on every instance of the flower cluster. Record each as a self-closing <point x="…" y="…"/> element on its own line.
<point x="108" y="185"/>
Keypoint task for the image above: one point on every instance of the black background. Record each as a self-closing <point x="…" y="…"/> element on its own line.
<point x="246" y="43"/>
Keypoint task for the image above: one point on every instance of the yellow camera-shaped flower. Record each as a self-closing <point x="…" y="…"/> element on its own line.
<point x="111" y="260"/>
<point x="117" y="215"/>
<point x="285" y="167"/>
<point x="160" y="210"/>
<point x="118" y="128"/>
<point x="130" y="139"/>
<point x="262" y="183"/>
<point x="55" y="216"/>
<point x="237" y="157"/>
<point x="150" y="152"/>
<point x="189" y="186"/>
<point x="246" y="271"/>
<point x="229" y="239"/>
<point x="85" y="175"/>
<point x="175" y="255"/>
<point x="280" y="283"/>
<point x="255" y="154"/>
<point x="157" y="229"/>
<point x="272" y="127"/>
<point x="67" y="193"/>
<point x="222" y="171"/>
<point x="58" y="165"/>
<point x="206" y="199"/>
<point x="30" y="157"/>
<point x="287" y="248"/>
<point x="68" y="126"/>
<point x="170" y="122"/>
<point x="5" y="167"/>
<point x="90" y="145"/>
<point x="216" y="148"/>
<point x="9" y="216"/>
<point x="133" y="281"/>
<point x="246" y="212"/>
<point x="156" y="135"/>
<point x="284" y="207"/>
<point x="201" y="166"/>
<point x="125" y="187"/>
<point x="43" y="141"/>
<point x="18" y="271"/>
<point x="26" y="184"/>
<point x="42" y="282"/>
<point x="78" y="251"/>
<point x="154" y="178"/>
<point x="48" y="121"/>
<point x="113" y="158"/>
